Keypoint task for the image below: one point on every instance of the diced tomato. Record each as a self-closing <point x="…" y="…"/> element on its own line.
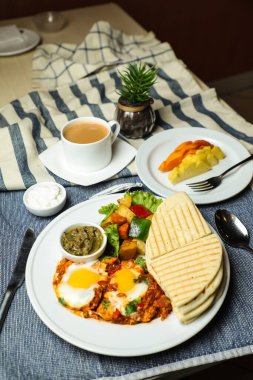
<point x="116" y="314"/>
<point x="140" y="211"/>
<point x="113" y="267"/>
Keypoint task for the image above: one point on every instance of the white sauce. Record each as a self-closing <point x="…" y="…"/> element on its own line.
<point x="44" y="196"/>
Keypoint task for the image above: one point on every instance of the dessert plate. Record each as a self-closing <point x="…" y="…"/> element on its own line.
<point x="157" y="148"/>
<point x="53" y="159"/>
<point x="30" y="40"/>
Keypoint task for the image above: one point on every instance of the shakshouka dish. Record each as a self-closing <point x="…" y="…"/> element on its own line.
<point x="116" y="288"/>
<point x="161" y="255"/>
<point x="119" y="291"/>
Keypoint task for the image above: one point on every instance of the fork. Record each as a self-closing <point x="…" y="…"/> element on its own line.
<point x="213" y="182"/>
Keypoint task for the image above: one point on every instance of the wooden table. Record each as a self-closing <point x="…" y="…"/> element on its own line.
<point x="15" y="71"/>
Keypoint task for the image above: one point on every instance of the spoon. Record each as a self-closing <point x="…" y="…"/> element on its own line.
<point x="231" y="230"/>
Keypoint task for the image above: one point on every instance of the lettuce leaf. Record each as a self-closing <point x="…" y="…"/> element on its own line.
<point x="145" y="199"/>
<point x="112" y="247"/>
<point x="108" y="209"/>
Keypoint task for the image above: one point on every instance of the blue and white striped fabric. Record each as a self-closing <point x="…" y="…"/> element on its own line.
<point x="88" y="78"/>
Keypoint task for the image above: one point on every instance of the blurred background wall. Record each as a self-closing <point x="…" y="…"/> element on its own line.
<point x="213" y="37"/>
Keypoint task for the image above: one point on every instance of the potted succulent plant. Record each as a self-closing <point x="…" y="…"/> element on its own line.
<point x="134" y="112"/>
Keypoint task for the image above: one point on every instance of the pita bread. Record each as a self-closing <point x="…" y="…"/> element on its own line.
<point x="202" y="297"/>
<point x="176" y="223"/>
<point x="189" y="317"/>
<point x="184" y="257"/>
<point x="186" y="272"/>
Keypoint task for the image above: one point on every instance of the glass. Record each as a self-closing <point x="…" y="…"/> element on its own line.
<point x="50" y="21"/>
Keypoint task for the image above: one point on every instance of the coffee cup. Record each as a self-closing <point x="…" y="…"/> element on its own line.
<point x="87" y="143"/>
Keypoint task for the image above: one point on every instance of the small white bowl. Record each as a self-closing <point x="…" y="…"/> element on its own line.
<point x="91" y="257"/>
<point x="45" y="198"/>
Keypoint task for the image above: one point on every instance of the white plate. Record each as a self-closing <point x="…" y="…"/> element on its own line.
<point x="92" y="335"/>
<point x="53" y="159"/>
<point x="30" y="40"/>
<point x="157" y="148"/>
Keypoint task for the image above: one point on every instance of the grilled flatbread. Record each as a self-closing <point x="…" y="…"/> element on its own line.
<point x="184" y="256"/>
<point x="202" y="297"/>
<point x="186" y="272"/>
<point x="176" y="223"/>
<point x="189" y="317"/>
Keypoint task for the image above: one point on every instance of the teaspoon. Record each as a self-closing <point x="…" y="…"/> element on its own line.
<point x="231" y="230"/>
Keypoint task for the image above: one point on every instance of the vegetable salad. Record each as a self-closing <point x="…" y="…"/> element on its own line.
<point x="127" y="224"/>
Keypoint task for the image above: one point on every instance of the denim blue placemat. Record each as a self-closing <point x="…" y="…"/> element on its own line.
<point x="30" y="351"/>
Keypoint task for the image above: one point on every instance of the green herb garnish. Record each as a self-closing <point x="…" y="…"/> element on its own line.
<point x="62" y="301"/>
<point x="106" y="304"/>
<point x="141" y="262"/>
<point x="131" y="307"/>
<point x="141" y="278"/>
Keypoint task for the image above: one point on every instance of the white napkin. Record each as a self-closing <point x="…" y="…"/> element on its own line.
<point x="10" y="35"/>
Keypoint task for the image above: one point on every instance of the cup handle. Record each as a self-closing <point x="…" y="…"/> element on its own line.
<point x="117" y="129"/>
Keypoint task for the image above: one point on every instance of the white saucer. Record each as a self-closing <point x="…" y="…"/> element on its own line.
<point x="30" y="40"/>
<point x="53" y="159"/>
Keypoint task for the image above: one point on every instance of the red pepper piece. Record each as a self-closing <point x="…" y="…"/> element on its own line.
<point x="140" y="305"/>
<point x="116" y="314"/>
<point x="140" y="211"/>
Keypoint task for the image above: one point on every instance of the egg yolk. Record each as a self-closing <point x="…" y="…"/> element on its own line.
<point x="83" y="278"/>
<point x="125" y="280"/>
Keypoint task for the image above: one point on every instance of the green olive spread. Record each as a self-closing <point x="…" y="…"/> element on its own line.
<point x="82" y="240"/>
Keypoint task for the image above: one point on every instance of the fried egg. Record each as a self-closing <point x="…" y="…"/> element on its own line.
<point x="78" y="283"/>
<point x="128" y="290"/>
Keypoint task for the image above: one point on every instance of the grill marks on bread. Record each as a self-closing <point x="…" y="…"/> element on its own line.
<point x="176" y="223"/>
<point x="203" y="296"/>
<point x="184" y="256"/>
<point x="185" y="272"/>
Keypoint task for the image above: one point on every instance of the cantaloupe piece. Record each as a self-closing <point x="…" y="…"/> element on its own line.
<point x="181" y="151"/>
<point x="195" y="164"/>
<point x="174" y="159"/>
